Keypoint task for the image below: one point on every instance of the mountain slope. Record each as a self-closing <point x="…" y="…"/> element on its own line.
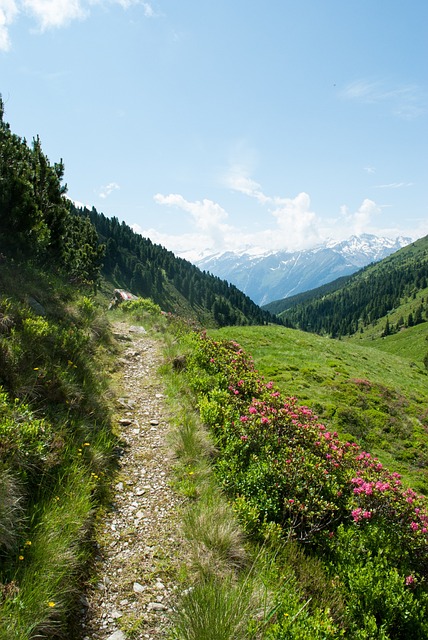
<point x="272" y="276"/>
<point x="135" y="263"/>
<point x="370" y="295"/>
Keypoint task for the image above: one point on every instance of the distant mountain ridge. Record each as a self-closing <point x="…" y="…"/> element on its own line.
<point x="273" y="276"/>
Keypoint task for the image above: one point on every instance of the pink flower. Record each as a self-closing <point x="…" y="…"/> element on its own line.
<point x="410" y="581"/>
<point x="414" y="526"/>
<point x="244" y="438"/>
<point x="252" y="410"/>
<point x="356" y="514"/>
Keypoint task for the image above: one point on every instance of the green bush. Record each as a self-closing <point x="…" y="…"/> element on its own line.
<point x="283" y="468"/>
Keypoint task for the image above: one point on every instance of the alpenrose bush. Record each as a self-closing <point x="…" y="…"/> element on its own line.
<point x="281" y="465"/>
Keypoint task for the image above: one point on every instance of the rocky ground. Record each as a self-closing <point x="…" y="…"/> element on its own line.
<point x="139" y="541"/>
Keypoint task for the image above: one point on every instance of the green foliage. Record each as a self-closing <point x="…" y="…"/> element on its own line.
<point x="36" y="224"/>
<point x="56" y="447"/>
<point x="282" y="467"/>
<point x="383" y="602"/>
<point x="149" y="270"/>
<point x="214" y="610"/>
<point x="367" y="297"/>
<point x="363" y="393"/>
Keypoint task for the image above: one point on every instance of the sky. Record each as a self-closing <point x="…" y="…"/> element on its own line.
<point x="223" y="125"/>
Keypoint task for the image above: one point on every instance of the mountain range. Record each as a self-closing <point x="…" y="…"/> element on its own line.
<point x="281" y="274"/>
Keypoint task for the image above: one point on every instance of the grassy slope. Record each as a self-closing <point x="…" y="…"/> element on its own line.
<point x="57" y="447"/>
<point x="378" y="399"/>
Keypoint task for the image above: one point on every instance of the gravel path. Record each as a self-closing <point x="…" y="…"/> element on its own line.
<point x="139" y="542"/>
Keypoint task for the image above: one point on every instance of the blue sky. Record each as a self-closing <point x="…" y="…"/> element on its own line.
<point x="229" y="124"/>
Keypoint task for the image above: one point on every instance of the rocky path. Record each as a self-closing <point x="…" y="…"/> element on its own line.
<point x="139" y="543"/>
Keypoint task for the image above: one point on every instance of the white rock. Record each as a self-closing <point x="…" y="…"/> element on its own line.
<point x="116" y="614"/>
<point x="156" y="606"/>
<point x="117" y="635"/>
<point x="138" y="588"/>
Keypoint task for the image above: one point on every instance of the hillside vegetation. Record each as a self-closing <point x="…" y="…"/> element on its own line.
<point x="318" y="445"/>
<point x="291" y="477"/>
<point x="147" y="269"/>
<point x="368" y="297"/>
<point x="376" y="398"/>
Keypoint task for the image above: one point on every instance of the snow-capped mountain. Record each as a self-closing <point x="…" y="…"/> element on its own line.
<point x="272" y="276"/>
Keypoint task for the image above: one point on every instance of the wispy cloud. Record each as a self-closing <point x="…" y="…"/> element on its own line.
<point x="404" y="101"/>
<point x="394" y="185"/>
<point x="108" y="189"/>
<point x="49" y="14"/>
<point x="296" y="222"/>
<point x="294" y="225"/>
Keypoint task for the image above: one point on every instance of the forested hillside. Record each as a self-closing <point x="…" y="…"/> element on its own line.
<point x="279" y="306"/>
<point x="35" y="223"/>
<point x="147" y="269"/>
<point x="369" y="296"/>
<point x="39" y="225"/>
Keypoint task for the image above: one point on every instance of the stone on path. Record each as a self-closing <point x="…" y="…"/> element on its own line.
<point x="117" y="635"/>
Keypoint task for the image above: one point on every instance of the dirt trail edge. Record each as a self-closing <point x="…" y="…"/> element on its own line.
<point x="139" y="543"/>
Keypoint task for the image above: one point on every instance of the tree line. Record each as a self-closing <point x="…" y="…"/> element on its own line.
<point x="148" y="269"/>
<point x="368" y="296"/>
<point x="39" y="225"/>
<point x="35" y="222"/>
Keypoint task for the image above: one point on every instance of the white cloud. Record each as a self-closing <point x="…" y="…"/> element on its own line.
<point x="360" y="221"/>
<point x="54" y="13"/>
<point x="296" y="221"/>
<point x="8" y="13"/>
<point x="297" y="224"/>
<point x="108" y="189"/>
<point x="208" y="216"/>
<point x="237" y="180"/>
<point x="50" y="14"/>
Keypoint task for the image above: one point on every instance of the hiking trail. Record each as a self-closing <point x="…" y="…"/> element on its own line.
<point x="139" y="540"/>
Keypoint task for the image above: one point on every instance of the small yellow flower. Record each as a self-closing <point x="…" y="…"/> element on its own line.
<point x="86" y="444"/>
<point x="51" y="604"/>
<point x="191" y="473"/>
<point x="28" y="543"/>
<point x="21" y="558"/>
<point x="36" y="368"/>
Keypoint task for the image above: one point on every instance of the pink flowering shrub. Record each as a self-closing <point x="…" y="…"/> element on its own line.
<point x="279" y="458"/>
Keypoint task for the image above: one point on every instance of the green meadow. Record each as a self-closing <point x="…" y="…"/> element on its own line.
<point x="373" y="392"/>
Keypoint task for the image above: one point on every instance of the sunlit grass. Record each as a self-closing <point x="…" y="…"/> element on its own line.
<point x="49" y="560"/>
<point x="388" y="416"/>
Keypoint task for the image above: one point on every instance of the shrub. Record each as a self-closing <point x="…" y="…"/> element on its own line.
<point x="283" y="467"/>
